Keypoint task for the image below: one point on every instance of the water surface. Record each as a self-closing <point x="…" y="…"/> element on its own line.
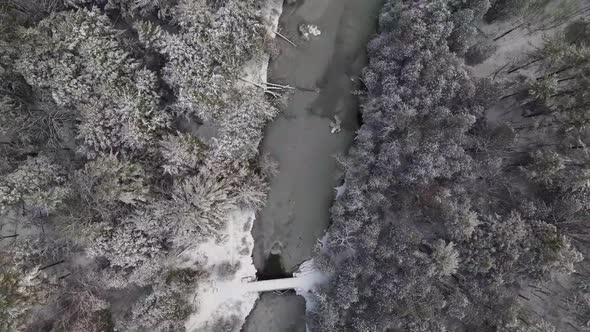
<point x="326" y="69"/>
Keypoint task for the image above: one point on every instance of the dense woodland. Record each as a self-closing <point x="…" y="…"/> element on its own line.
<point x="464" y="193"/>
<point x="127" y="134"/>
<point x="106" y="173"/>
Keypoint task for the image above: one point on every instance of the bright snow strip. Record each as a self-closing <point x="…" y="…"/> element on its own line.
<point x="220" y="297"/>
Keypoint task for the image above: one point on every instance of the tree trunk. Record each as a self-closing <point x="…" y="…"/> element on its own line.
<point x="525" y="65"/>
<point x="510" y="31"/>
<point x="52" y="265"/>
<point x="9" y="236"/>
<point x="555" y="72"/>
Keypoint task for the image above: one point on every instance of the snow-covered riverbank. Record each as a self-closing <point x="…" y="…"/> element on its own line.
<point x="220" y="298"/>
<point x="229" y="263"/>
<point x="229" y="293"/>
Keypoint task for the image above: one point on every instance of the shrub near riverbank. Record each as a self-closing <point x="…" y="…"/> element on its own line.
<point x="442" y="224"/>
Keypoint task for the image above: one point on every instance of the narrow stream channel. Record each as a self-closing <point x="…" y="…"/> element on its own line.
<point x="326" y="69"/>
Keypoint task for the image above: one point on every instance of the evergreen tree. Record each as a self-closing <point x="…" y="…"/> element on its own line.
<point x="79" y="59"/>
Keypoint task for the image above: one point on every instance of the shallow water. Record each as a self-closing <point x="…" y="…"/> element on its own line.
<point x="326" y="70"/>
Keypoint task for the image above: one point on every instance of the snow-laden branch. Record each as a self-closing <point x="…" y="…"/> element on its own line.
<point x="270" y="88"/>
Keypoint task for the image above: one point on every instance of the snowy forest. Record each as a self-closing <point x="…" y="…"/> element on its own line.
<point x="130" y="133"/>
<point x="466" y="201"/>
<point x="125" y="138"/>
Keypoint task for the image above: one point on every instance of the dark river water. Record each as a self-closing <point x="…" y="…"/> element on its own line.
<point x="326" y="71"/>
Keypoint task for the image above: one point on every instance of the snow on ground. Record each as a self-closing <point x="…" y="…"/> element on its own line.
<point x="513" y="47"/>
<point x="222" y="294"/>
<point x="548" y="299"/>
<point x="256" y="70"/>
<point x="340" y="190"/>
<point x="309" y="281"/>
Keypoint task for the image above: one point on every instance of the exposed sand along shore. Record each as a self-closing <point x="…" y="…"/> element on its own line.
<point x="326" y="70"/>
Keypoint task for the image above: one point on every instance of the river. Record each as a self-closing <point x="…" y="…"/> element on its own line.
<point x="325" y="70"/>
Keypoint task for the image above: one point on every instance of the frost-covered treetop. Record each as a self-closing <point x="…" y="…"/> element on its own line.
<point x="82" y="62"/>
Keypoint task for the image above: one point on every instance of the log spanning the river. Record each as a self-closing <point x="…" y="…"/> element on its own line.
<point x="304" y="282"/>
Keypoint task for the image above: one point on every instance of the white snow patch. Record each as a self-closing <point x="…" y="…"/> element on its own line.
<point x="340" y="190"/>
<point x="224" y="296"/>
<point x="256" y="69"/>
<point x="308" y="31"/>
<point x="513" y="47"/>
<point x="336" y="125"/>
<point x="310" y="279"/>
